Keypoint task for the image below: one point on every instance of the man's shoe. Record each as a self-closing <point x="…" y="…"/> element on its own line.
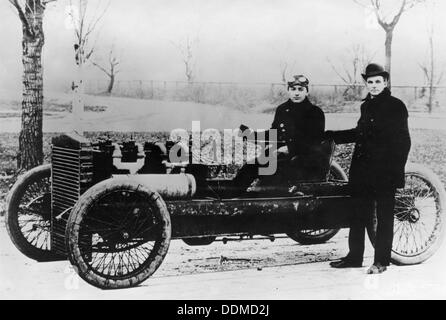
<point x="376" y="268"/>
<point x="345" y="263"/>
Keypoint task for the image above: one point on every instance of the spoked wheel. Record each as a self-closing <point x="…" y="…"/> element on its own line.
<point x="118" y="234"/>
<point x="316" y="236"/>
<point x="28" y="213"/>
<point x="418" y="217"/>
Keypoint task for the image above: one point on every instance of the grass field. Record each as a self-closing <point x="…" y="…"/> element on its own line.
<point x="428" y="148"/>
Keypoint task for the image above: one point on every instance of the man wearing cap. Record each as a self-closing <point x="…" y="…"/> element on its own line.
<point x="382" y="144"/>
<point x="299" y="124"/>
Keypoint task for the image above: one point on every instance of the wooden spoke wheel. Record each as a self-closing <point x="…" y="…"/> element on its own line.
<point x="418" y="217"/>
<point x="118" y="234"/>
<point x="28" y="213"/>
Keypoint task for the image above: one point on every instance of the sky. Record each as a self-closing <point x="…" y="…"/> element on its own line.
<point x="237" y="40"/>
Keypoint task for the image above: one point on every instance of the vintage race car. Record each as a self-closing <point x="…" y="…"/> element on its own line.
<point x="112" y="209"/>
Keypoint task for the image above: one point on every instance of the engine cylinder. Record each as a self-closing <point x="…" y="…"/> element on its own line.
<point x="169" y="186"/>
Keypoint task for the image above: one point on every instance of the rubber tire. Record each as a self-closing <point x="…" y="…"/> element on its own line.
<point x="81" y="209"/>
<point x="199" y="241"/>
<point x="429" y="175"/>
<point x="307" y="239"/>
<point x="338" y="172"/>
<point x="11" y="218"/>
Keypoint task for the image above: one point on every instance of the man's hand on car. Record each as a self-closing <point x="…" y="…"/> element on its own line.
<point x="283" y="150"/>
<point x="243" y="131"/>
<point x="243" y="127"/>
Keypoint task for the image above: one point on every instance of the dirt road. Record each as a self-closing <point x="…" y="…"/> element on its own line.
<point x="257" y="269"/>
<point x="127" y="114"/>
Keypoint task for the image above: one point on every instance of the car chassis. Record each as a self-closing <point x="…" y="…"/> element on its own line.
<point x="114" y="222"/>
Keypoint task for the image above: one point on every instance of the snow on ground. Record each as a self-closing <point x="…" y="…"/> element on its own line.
<point x="129" y="114"/>
<point x="281" y="269"/>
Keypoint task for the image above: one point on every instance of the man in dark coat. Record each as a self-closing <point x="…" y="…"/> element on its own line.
<point x="299" y="126"/>
<point x="377" y="168"/>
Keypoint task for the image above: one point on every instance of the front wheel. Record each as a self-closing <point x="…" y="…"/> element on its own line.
<point x="118" y="234"/>
<point x="418" y="217"/>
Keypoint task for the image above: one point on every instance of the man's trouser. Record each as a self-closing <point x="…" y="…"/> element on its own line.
<point x="384" y="202"/>
<point x="249" y="172"/>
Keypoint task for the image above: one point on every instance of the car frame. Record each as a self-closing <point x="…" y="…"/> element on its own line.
<point x="112" y="209"/>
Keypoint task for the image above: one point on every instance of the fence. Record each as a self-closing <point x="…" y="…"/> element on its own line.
<point x="264" y="96"/>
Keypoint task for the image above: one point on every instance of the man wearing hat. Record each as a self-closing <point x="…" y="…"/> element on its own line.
<point x="382" y="144"/>
<point x="299" y="124"/>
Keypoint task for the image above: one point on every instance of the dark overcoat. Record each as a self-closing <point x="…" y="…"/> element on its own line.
<point x="299" y="126"/>
<point x="382" y="143"/>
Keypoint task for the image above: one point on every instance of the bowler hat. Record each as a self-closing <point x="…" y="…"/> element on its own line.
<point x="374" y="69"/>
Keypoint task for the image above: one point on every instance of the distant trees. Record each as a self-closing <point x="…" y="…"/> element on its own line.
<point x="283" y="71"/>
<point x="187" y="49"/>
<point x="433" y="73"/>
<point x="349" y="71"/>
<point x="31" y="14"/>
<point x="84" y="22"/>
<point x="286" y="69"/>
<point x="388" y="14"/>
<point x="110" y="68"/>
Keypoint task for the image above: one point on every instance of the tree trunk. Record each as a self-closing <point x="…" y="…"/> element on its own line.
<point x="431" y="78"/>
<point x="31" y="137"/>
<point x="388" y="45"/>
<point x="111" y="84"/>
<point x="78" y="101"/>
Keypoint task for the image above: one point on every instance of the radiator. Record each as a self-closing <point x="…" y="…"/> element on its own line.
<point x="72" y="173"/>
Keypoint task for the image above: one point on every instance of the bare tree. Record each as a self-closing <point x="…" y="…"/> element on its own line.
<point x="388" y="14"/>
<point x="357" y="58"/>
<point x="283" y="71"/>
<point x="111" y="69"/>
<point x="31" y="14"/>
<point x="430" y="67"/>
<point x="84" y="23"/>
<point x="187" y="50"/>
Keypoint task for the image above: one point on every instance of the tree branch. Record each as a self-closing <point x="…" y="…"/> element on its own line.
<point x="376" y="6"/>
<point x="44" y="3"/>
<point x="93" y="24"/>
<point x="440" y="77"/>
<point x="413" y="3"/>
<point x="87" y="56"/>
<point x="101" y="68"/>
<point x="360" y="3"/>
<point x="26" y="27"/>
<point x="398" y="15"/>
<point x="337" y="72"/>
<point x="425" y="71"/>
<point x="388" y="26"/>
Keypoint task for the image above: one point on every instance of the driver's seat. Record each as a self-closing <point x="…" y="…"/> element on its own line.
<point x="315" y="166"/>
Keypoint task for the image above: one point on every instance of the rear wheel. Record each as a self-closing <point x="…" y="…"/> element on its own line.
<point x="418" y="217"/>
<point x="317" y="236"/>
<point x="28" y="213"/>
<point x="118" y="234"/>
